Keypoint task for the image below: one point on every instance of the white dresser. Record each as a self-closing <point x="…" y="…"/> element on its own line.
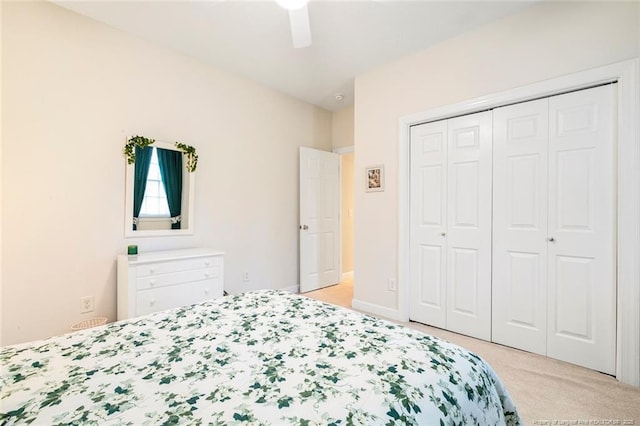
<point x="160" y="280"/>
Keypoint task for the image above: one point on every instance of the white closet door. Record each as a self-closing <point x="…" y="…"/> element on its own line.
<point x="582" y="247"/>
<point x="519" y="308"/>
<point x="428" y="223"/>
<point x="469" y="225"/>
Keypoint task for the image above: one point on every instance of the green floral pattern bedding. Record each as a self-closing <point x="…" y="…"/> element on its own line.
<point x="261" y="358"/>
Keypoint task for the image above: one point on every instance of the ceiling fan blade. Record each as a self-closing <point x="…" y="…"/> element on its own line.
<point x="300" y="28"/>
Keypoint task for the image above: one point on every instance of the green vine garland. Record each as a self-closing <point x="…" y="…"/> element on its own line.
<point x="192" y="157"/>
<point x="142" y="142"/>
<point x="130" y="147"/>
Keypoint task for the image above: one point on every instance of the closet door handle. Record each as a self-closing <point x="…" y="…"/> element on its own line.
<point x="551" y="240"/>
<point x="443" y="234"/>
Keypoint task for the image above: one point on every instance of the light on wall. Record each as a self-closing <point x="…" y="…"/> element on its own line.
<point x="292" y="4"/>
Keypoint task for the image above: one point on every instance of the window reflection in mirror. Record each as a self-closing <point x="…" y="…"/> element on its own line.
<point x="159" y="198"/>
<point x="154" y="202"/>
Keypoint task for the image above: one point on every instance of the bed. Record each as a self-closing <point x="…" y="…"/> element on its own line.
<point x="260" y="358"/>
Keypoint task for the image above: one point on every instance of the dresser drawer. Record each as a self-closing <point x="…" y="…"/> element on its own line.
<point x="163" y="280"/>
<point x="178" y="265"/>
<point x="159" y="299"/>
<point x="154" y="281"/>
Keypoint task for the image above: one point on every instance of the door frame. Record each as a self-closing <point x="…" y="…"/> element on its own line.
<point x="341" y="151"/>
<point x="627" y="74"/>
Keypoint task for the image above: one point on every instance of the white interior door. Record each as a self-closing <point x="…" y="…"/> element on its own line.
<point x="582" y="223"/>
<point x="519" y="305"/>
<point x="469" y="225"/>
<point x="319" y="219"/>
<point x="428" y="223"/>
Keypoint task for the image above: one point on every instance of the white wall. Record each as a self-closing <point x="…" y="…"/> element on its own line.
<point x="342" y="128"/>
<point x="1" y="80"/>
<point x="542" y="42"/>
<point x="73" y="90"/>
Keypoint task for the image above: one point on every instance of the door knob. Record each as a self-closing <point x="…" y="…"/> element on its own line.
<point x="551" y="240"/>
<point x="444" y="234"/>
<point x="304" y="227"/>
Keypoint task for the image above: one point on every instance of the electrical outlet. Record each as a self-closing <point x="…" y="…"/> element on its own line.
<point x="391" y="285"/>
<point x="245" y="276"/>
<point x="86" y="304"/>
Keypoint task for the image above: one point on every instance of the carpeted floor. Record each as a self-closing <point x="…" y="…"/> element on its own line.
<point x="546" y="391"/>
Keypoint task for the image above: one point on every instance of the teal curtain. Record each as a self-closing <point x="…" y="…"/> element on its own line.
<point x="141" y="170"/>
<point x="170" y="163"/>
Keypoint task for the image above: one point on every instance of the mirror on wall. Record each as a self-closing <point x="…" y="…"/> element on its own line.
<point x="159" y="187"/>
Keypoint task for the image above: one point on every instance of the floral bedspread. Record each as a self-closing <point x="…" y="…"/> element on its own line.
<point x="260" y="358"/>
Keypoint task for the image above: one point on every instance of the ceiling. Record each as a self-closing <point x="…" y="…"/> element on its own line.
<point x="253" y="38"/>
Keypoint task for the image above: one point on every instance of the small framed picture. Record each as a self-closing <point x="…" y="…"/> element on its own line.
<point x="375" y="178"/>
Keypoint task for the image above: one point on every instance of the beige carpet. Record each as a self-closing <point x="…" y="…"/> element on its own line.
<point x="546" y="391"/>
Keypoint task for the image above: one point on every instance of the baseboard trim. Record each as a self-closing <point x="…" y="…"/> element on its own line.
<point x="347" y="276"/>
<point x="374" y="309"/>
<point x="292" y="289"/>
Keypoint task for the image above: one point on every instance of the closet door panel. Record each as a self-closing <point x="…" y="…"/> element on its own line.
<point x="465" y="176"/>
<point x="428" y="223"/>
<point x="464" y="281"/>
<point x="582" y="247"/>
<point x="469" y="225"/>
<point x="519" y="298"/>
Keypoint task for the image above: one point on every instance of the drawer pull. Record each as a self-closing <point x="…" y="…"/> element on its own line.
<point x="206" y="291"/>
<point x="152" y="302"/>
<point x="207" y="263"/>
<point x="152" y="283"/>
<point x="152" y="271"/>
<point x="206" y="275"/>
